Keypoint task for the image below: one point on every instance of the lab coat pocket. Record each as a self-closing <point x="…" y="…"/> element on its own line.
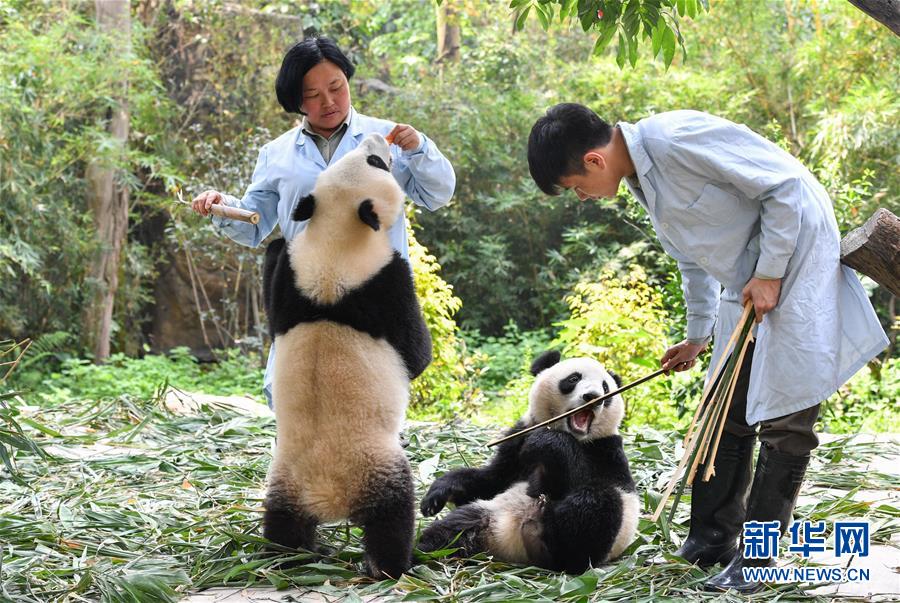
<point x="715" y="206"/>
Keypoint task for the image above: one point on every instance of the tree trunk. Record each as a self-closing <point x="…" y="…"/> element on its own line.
<point x="107" y="198"/>
<point x="448" y="37"/>
<point x="874" y="250"/>
<point x="886" y="12"/>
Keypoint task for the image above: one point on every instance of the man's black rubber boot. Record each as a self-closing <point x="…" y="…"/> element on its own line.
<point x="776" y="485"/>
<point x="719" y="505"/>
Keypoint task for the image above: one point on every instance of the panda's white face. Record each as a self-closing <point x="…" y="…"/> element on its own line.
<point x="571" y="383"/>
<point x="353" y="205"/>
<point x="358" y="191"/>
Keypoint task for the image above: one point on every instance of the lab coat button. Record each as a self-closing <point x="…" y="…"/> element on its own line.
<point x="665" y="226"/>
<point x="704" y="261"/>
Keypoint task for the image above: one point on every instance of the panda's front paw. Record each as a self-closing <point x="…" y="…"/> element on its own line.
<point x="439" y="494"/>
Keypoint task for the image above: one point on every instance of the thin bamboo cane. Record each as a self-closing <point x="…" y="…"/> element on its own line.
<point x="691" y="439"/>
<point x="714" y="375"/>
<point x="710" y="467"/>
<point x="690" y="445"/>
<point x="723" y="393"/>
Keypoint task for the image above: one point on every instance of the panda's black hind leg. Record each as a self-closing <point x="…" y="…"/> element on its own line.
<point x="387" y="517"/>
<point x="285" y="522"/>
<point x="463" y="529"/>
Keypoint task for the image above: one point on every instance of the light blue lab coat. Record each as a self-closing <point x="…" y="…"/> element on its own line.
<point x="287" y="169"/>
<point x="728" y="204"/>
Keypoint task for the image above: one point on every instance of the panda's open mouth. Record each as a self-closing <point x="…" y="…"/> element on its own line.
<point x="580" y="422"/>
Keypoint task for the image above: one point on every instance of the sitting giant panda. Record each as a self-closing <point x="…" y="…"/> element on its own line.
<point x="350" y="336"/>
<point x="560" y="498"/>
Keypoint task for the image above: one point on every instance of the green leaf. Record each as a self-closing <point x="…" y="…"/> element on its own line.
<point x="607" y="33"/>
<point x="681" y="7"/>
<point x="517" y="3"/>
<point x="587" y="19"/>
<point x="656" y="40"/>
<point x="668" y="45"/>
<point x="543" y="17"/>
<point x="633" y="50"/>
<point x="520" y="20"/>
<point x="691" y="6"/>
<point x="620" y="52"/>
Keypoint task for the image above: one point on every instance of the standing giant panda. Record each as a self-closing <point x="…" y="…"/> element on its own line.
<point x="560" y="498"/>
<point x="350" y="336"/>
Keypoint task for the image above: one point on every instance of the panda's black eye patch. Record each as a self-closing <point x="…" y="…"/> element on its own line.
<point x="605" y="387"/>
<point x="376" y="161"/>
<point x="567" y="385"/>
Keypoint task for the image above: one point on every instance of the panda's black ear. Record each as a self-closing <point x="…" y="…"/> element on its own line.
<point x="305" y="208"/>
<point x="376" y="161"/>
<point x="367" y="214"/>
<point x="616" y="378"/>
<point x="545" y="361"/>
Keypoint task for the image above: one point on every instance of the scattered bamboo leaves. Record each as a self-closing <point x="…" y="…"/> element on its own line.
<point x="110" y="517"/>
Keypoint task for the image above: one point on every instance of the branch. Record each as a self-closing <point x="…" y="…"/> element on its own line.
<point x="886" y="12"/>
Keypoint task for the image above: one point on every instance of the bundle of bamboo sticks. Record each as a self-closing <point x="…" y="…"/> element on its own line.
<point x="705" y="431"/>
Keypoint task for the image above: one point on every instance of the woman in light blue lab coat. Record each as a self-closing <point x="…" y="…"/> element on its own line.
<point x="746" y="221"/>
<point x="314" y="82"/>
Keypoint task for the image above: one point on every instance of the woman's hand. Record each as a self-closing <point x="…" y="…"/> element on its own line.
<point x="681" y="356"/>
<point x="764" y="293"/>
<point x="405" y="137"/>
<point x="205" y="200"/>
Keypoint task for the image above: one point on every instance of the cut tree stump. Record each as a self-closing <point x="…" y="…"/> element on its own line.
<point x="874" y="249"/>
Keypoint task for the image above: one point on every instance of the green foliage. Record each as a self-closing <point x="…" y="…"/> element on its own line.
<point x="58" y="81"/>
<point x="79" y="379"/>
<point x="201" y="102"/>
<point x="867" y="403"/>
<point x="632" y="21"/>
<point x="620" y="321"/>
<point x="445" y="388"/>
<point x="504" y="375"/>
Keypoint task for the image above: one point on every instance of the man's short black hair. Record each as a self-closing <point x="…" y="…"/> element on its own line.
<point x="559" y="140"/>
<point x="302" y="57"/>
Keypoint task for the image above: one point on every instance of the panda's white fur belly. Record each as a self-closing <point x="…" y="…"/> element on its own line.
<point x="512" y="510"/>
<point x="509" y="512"/>
<point x="340" y="399"/>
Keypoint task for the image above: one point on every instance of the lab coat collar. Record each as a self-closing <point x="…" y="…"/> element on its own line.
<point x="311" y="151"/>
<point x="353" y="127"/>
<point x="640" y="159"/>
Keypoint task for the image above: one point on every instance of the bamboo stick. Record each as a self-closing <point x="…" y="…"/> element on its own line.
<point x="714" y="375"/>
<point x="711" y="399"/>
<point x="710" y="467"/>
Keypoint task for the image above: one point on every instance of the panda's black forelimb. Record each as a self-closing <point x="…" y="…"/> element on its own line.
<point x="462" y="486"/>
<point x="551" y="457"/>
<point x="386" y="514"/>
<point x="270" y="269"/>
<point x="384" y="307"/>
<point x="580" y="528"/>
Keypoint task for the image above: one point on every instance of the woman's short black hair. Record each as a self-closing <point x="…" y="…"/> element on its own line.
<point x="559" y="140"/>
<point x="302" y="57"/>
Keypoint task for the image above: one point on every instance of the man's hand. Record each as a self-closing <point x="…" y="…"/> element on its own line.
<point x="405" y="137"/>
<point x="763" y="293"/>
<point x="681" y="356"/>
<point x="205" y="200"/>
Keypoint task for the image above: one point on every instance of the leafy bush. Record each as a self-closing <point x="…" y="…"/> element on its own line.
<point x="234" y="374"/>
<point x="620" y="321"/>
<point x="445" y="389"/>
<point x="868" y="402"/>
